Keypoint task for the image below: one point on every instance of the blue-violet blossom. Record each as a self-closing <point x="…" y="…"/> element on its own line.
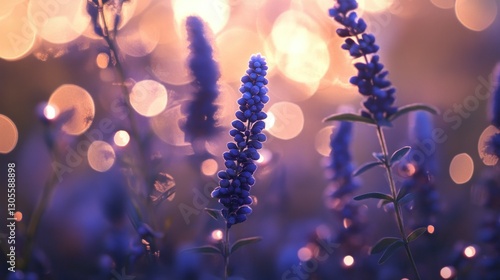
<point x="340" y="161"/>
<point x="201" y="110"/>
<point x="371" y="80"/>
<point x="235" y="182"/>
<point x="493" y="145"/>
<point x="420" y="183"/>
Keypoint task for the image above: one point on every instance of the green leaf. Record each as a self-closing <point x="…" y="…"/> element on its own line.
<point x="406" y="198"/>
<point x="390" y="250"/>
<point x="214" y="213"/>
<point x="416" y="234"/>
<point x="382" y="244"/>
<point x="410" y="108"/>
<point x="244" y="241"/>
<point x="349" y="117"/>
<point x="402" y="192"/>
<point x="375" y="195"/>
<point x="365" y="167"/>
<point x="399" y="154"/>
<point x="207" y="249"/>
<point x="379" y="156"/>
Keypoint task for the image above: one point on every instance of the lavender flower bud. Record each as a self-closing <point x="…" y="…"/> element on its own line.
<point x="237" y="180"/>
<point x="493" y="145"/>
<point x="371" y="80"/>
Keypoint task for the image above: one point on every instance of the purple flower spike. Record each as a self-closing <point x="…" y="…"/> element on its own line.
<point x="201" y="110"/>
<point x="493" y="145"/>
<point x="340" y="161"/>
<point x="236" y="181"/>
<point x="371" y="79"/>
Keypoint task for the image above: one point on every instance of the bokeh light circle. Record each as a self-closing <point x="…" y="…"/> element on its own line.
<point x="59" y="21"/>
<point x="217" y="235"/>
<point x="444" y="4"/>
<point x="7" y="8"/>
<point x="300" y="51"/>
<point x="234" y="61"/>
<point x="75" y="108"/>
<point x="121" y="138"/>
<point x="214" y="13"/>
<point x="10" y="135"/>
<point x="101" y="156"/>
<point x="348" y="261"/>
<point x="476" y="15"/>
<point x="430" y="229"/>
<point x="322" y="141"/>
<point x="285" y="120"/>
<point x="470" y="251"/>
<point x="102" y="60"/>
<point x="139" y="38"/>
<point x="304" y="254"/>
<point x="168" y="63"/>
<point x="461" y="168"/>
<point x="374" y="6"/>
<point x="209" y="167"/>
<point x="17" y="33"/>
<point x="447" y="272"/>
<point x="166" y="126"/>
<point x="148" y="98"/>
<point x="18" y="215"/>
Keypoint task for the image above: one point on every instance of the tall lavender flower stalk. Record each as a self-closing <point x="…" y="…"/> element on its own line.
<point x="378" y="111"/>
<point x="349" y="224"/>
<point x="143" y="166"/>
<point x="237" y="180"/>
<point x="493" y="146"/>
<point x="425" y="204"/>
<point x="201" y="122"/>
<point x="490" y="228"/>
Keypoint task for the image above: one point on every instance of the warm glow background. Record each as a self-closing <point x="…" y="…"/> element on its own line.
<point x="439" y="52"/>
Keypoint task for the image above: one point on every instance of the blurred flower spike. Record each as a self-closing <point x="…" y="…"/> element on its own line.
<point x="371" y="79"/>
<point x="201" y="110"/>
<point x="340" y="161"/>
<point x="236" y="181"/>
<point x="493" y="146"/>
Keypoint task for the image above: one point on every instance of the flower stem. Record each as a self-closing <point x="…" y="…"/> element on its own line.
<point x="40" y="207"/>
<point x="397" y="207"/>
<point x="226" y="253"/>
<point x="141" y="167"/>
<point x="110" y="41"/>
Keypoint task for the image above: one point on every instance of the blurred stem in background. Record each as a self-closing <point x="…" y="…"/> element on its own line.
<point x="44" y="200"/>
<point x="140" y="168"/>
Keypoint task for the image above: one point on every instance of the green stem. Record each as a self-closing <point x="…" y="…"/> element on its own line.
<point x="392" y="185"/>
<point x="226" y="253"/>
<point x="397" y="207"/>
<point x="39" y="211"/>
<point x="143" y="160"/>
<point x="110" y="41"/>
